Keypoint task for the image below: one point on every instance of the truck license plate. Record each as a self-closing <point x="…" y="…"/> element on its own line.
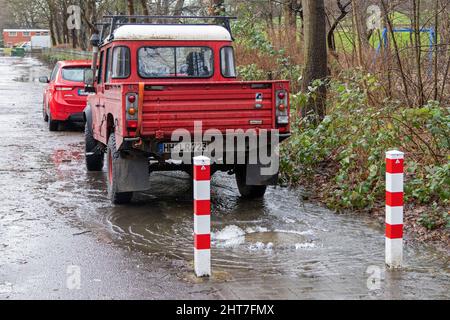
<point x="182" y="147"/>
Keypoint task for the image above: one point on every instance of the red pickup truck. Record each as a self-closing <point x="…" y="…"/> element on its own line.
<point x="155" y="82"/>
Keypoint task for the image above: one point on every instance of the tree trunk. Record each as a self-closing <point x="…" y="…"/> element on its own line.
<point x="59" y="39"/>
<point x="158" y="8"/>
<point x="131" y="7"/>
<point x="361" y="19"/>
<point x="280" y="30"/>
<point x="145" y="7"/>
<point x="269" y="21"/>
<point x="315" y="53"/>
<point x="166" y="6"/>
<point x="145" y="10"/>
<point x="358" y="38"/>
<point x="131" y="11"/>
<point x="444" y="33"/>
<point x="74" y="38"/>
<point x="417" y="44"/>
<point x="179" y="5"/>
<point x="290" y="20"/>
<point x="217" y="7"/>
<point x="64" y="24"/>
<point x="52" y="30"/>
<point x="436" y="50"/>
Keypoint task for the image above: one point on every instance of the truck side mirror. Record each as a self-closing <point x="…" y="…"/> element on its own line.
<point x="43" y="80"/>
<point x="88" y="77"/>
<point x="95" y="40"/>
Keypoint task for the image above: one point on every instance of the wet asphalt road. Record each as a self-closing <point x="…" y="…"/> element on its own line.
<point x="55" y="218"/>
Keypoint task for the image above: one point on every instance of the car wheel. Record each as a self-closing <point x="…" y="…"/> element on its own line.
<point x="44" y="113"/>
<point x="53" y="125"/>
<point x="246" y="191"/>
<point x="113" y="156"/>
<point x="94" y="156"/>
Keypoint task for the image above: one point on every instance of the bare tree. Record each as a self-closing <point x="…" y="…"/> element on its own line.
<point x="315" y="54"/>
<point x="145" y="7"/>
<point x="396" y="50"/>
<point x="217" y="7"/>
<point x="130" y="7"/>
<point x="290" y="17"/>
<point x="417" y="47"/>
<point x="358" y="34"/>
<point x="343" y="8"/>
<point x="178" y="10"/>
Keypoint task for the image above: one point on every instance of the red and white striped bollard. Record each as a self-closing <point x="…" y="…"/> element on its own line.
<point x="202" y="216"/>
<point x="394" y="208"/>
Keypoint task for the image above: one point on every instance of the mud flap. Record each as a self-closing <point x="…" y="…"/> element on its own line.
<point x="131" y="173"/>
<point x="254" y="177"/>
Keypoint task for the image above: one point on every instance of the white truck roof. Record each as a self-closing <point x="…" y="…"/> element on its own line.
<point x="172" y="32"/>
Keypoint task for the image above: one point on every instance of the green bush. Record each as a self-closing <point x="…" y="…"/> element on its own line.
<point x="348" y="148"/>
<point x="434" y="218"/>
<point x="53" y="58"/>
<point x="251" y="72"/>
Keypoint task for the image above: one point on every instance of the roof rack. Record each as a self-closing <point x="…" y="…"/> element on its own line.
<point x="112" y="22"/>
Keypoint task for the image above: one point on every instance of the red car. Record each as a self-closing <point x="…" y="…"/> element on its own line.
<point x="64" y="96"/>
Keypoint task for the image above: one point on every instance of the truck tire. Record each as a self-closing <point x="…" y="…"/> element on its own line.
<point x="246" y="191"/>
<point x="113" y="155"/>
<point x="52" y="124"/>
<point x="94" y="156"/>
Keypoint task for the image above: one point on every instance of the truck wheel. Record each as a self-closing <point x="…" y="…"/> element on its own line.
<point x="94" y="156"/>
<point x="113" y="155"/>
<point x="52" y="124"/>
<point x="246" y="191"/>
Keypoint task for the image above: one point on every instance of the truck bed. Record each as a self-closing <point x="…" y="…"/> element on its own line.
<point x="219" y="105"/>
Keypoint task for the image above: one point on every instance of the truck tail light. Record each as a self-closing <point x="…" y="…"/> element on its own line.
<point x="132" y="111"/>
<point x="282" y="110"/>
<point x="132" y="124"/>
<point x="132" y="106"/>
<point x="131" y="98"/>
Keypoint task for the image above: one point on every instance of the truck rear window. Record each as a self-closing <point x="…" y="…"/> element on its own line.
<point x="74" y="74"/>
<point x="227" y="63"/>
<point x="174" y="62"/>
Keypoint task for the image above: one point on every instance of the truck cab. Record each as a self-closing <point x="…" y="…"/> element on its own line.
<point x="164" y="93"/>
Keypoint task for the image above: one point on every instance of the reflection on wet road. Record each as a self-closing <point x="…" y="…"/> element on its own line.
<point x="279" y="247"/>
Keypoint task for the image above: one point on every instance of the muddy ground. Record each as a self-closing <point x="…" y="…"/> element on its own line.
<point x="60" y="238"/>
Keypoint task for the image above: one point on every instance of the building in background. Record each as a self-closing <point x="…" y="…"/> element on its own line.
<point x="12" y="37"/>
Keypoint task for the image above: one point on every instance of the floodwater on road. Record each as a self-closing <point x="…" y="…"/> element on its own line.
<point x="56" y="217"/>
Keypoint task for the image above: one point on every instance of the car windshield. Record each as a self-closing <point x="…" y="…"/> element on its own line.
<point x="75" y="74"/>
<point x="167" y="62"/>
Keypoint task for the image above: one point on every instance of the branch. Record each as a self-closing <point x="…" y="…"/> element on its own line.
<point x="330" y="36"/>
